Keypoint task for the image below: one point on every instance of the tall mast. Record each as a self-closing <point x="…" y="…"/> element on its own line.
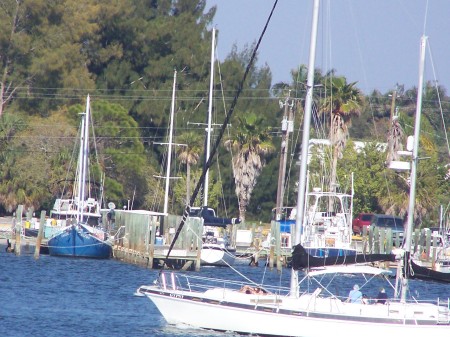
<point x="305" y="139"/>
<point x="208" y="130"/>
<point x="83" y="160"/>
<point x="307" y="123"/>
<point x="169" y="152"/>
<point x="414" y="162"/>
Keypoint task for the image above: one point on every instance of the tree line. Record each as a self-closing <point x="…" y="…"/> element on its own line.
<point x="123" y="54"/>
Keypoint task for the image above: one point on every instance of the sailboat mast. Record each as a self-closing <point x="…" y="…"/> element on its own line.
<point x="84" y="154"/>
<point x="79" y="170"/>
<point x="208" y="130"/>
<point x="86" y="148"/>
<point x="305" y="141"/>
<point x="306" y="124"/>
<point x="169" y="152"/>
<point x="414" y="162"/>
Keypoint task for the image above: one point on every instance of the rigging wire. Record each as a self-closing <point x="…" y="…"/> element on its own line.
<point x="219" y="138"/>
<point x="228" y="134"/>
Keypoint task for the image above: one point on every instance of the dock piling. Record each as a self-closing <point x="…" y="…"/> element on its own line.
<point x="39" y="236"/>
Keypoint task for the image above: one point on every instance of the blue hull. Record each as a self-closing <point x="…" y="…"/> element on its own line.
<point x="76" y="241"/>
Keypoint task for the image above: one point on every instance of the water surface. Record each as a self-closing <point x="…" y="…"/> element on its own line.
<point x="55" y="296"/>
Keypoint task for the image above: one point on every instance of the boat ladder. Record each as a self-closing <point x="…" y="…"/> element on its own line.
<point x="443" y="312"/>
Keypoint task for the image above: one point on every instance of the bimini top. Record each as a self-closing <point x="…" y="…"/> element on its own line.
<point x="302" y="260"/>
<point x="349" y="269"/>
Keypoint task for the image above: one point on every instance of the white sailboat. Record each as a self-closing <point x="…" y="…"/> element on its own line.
<point x="214" y="252"/>
<point x="215" y="247"/>
<point x="227" y="306"/>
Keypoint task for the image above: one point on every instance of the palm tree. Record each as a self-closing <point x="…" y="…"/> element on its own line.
<point x="189" y="155"/>
<point x="394" y="194"/>
<point x="395" y="136"/>
<point x="249" y="146"/>
<point x="343" y="102"/>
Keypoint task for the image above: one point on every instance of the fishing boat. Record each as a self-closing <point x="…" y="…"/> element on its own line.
<point x="327" y="225"/>
<point x="309" y="307"/>
<point x="324" y="232"/>
<point x="79" y="233"/>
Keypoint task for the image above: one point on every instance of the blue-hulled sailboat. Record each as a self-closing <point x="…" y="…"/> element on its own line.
<point x="80" y="234"/>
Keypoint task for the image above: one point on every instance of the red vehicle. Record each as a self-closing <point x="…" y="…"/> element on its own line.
<point x="362" y="220"/>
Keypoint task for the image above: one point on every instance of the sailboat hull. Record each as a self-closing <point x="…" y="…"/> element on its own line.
<point x="272" y="315"/>
<point x="425" y="273"/>
<point x="216" y="255"/>
<point x="76" y="241"/>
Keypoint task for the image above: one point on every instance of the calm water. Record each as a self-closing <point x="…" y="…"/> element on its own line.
<point x="78" y="297"/>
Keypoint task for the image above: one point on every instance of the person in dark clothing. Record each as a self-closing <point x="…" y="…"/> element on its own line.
<point x="9" y="248"/>
<point x="381" y="297"/>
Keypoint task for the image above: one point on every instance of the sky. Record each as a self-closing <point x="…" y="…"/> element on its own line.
<point x="373" y="42"/>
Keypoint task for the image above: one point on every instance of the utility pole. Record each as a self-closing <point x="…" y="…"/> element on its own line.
<point x="393" y="132"/>
<point x="287" y="126"/>
<point x="394" y="96"/>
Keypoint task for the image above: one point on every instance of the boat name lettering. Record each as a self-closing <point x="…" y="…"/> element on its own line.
<point x="176" y="295"/>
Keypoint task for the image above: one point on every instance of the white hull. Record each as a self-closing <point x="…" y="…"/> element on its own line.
<point x="307" y="316"/>
<point x="216" y="255"/>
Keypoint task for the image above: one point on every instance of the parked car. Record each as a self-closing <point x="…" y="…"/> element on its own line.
<point x="362" y="220"/>
<point x="384" y="221"/>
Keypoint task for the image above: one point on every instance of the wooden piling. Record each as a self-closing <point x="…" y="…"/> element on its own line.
<point x="18" y="230"/>
<point x="271" y="244"/>
<point x="197" y="240"/>
<point x="39" y="236"/>
<point x="365" y="236"/>
<point x="279" y="254"/>
<point x="433" y="252"/>
<point x="416" y="238"/>
<point x="382" y="241"/>
<point x="152" y="227"/>
<point x="18" y="243"/>
<point x="428" y="244"/>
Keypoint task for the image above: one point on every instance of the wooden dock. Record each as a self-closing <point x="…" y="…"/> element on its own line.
<point x="143" y="238"/>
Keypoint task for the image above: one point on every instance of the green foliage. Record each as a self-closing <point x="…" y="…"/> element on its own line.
<point x="121" y="151"/>
<point x="179" y="191"/>
<point x="369" y="173"/>
<point x="36" y="162"/>
<point x="148" y="41"/>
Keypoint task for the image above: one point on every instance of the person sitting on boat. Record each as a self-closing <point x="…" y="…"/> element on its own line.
<point x="246" y="289"/>
<point x="355" y="296"/>
<point x="252" y="290"/>
<point x="260" y="291"/>
<point x="381" y="297"/>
